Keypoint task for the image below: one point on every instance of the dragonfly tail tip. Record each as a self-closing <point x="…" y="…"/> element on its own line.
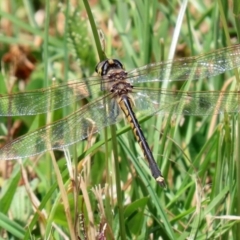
<point x="160" y="180"/>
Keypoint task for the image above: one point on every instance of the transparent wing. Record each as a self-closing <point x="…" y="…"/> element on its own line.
<point x="203" y="66"/>
<point x="94" y="116"/>
<point x="87" y="120"/>
<point x="164" y="101"/>
<point x="47" y="99"/>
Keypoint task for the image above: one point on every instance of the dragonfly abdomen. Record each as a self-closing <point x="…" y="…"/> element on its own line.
<point x="125" y="103"/>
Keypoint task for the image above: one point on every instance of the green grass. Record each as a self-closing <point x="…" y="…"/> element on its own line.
<point x="199" y="156"/>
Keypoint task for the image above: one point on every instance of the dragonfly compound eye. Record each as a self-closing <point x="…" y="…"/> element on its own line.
<point x="109" y="64"/>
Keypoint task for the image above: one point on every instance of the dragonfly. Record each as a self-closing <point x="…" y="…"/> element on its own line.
<point x="118" y="92"/>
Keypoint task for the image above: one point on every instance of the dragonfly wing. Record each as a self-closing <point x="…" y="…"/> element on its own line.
<point x="47" y="99"/>
<point x="163" y="101"/>
<point x="203" y="66"/>
<point x="88" y="120"/>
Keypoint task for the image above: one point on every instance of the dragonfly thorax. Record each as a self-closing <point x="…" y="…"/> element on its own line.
<point x="121" y="88"/>
<point x="113" y="77"/>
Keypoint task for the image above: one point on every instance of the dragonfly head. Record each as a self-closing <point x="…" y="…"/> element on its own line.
<point x="109" y="64"/>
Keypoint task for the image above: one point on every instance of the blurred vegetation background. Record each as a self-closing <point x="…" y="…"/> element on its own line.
<point x="43" y="43"/>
